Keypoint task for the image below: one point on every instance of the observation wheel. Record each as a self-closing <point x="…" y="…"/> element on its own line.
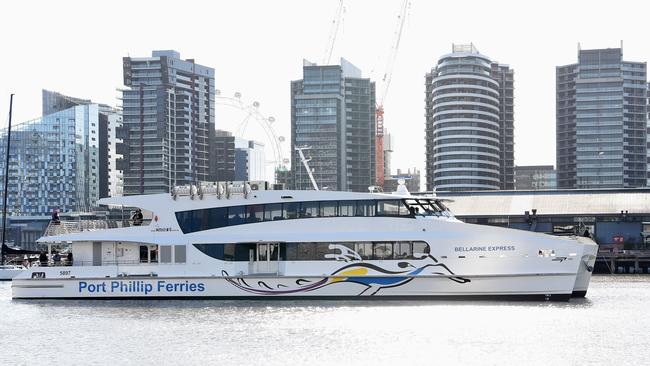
<point x="245" y="120"/>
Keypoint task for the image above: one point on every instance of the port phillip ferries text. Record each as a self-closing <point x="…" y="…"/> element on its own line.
<point x="142" y="287"/>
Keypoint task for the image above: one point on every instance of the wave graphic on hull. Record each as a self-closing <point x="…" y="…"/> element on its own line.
<point x="373" y="277"/>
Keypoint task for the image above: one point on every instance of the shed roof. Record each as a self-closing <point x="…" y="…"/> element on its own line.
<point x="549" y="202"/>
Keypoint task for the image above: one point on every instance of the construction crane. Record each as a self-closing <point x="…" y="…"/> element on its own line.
<point x="334" y="31"/>
<point x="388" y="75"/>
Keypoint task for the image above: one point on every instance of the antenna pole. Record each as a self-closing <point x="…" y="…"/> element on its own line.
<point x="305" y="163"/>
<point x="4" y="205"/>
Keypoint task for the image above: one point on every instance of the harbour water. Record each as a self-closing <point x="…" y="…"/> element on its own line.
<point x="610" y="326"/>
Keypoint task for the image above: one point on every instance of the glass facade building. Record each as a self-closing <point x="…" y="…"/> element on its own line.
<point x="333" y="112"/>
<point x="601" y="121"/>
<point x="53" y="162"/>
<point x="469" y="123"/>
<point x="168" y="123"/>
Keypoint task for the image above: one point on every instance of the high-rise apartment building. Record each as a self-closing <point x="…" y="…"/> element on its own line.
<point x="58" y="161"/>
<point x="168" y="125"/>
<point x="333" y="112"/>
<point x="601" y="121"/>
<point x="469" y="122"/>
<point x="224" y="156"/>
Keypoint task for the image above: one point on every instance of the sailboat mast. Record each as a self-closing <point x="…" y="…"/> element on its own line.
<point x="4" y="205"/>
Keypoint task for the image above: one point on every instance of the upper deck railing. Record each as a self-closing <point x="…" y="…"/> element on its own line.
<point x="219" y="189"/>
<point x="77" y="226"/>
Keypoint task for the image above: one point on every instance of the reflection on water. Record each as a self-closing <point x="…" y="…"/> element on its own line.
<point x="595" y="330"/>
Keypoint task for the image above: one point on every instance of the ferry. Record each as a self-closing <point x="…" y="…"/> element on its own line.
<point x="246" y="241"/>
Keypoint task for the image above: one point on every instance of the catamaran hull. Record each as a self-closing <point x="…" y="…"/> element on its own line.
<point x="534" y="287"/>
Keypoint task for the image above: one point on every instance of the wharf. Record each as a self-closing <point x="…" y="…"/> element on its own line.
<point x="623" y="262"/>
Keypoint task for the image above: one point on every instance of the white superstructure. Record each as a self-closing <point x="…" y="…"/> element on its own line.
<point x="307" y="244"/>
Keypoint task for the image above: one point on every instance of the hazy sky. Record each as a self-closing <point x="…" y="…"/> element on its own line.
<point x="257" y="47"/>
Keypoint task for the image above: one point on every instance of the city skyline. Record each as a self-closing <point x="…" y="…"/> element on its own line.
<point x="249" y="36"/>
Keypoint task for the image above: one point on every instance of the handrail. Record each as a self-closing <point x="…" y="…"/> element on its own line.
<point x="69" y="227"/>
<point x="76" y="263"/>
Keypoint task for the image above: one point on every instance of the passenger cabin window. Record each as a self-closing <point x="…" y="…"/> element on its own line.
<point x="310" y="251"/>
<point x="213" y="218"/>
<point x="329" y="208"/>
<point x="254" y="213"/>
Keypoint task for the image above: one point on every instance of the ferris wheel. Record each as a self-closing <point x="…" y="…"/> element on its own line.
<point x="250" y="119"/>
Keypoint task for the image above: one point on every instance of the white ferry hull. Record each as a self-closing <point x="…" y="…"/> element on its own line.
<point x="7" y="274"/>
<point x="537" y="287"/>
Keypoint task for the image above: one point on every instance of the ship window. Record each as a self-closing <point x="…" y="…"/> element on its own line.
<point x="254" y="213"/>
<point x="420" y="249"/>
<point x="309" y="209"/>
<point x="292" y="209"/>
<point x="212" y="218"/>
<point x="273" y="211"/>
<point x="365" y="208"/>
<point x="236" y="215"/>
<point x="328" y="208"/>
<point x="228" y="251"/>
<point x="402" y="250"/>
<point x="383" y="251"/>
<point x="346" y="208"/>
<point x="213" y="250"/>
<point x="165" y="254"/>
<point x="218" y="217"/>
<point x="388" y="208"/>
<point x="305" y="251"/>
<point x="364" y="250"/>
<point x="179" y="253"/>
<point x="315" y="251"/>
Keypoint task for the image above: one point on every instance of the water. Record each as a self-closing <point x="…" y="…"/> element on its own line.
<point x="611" y="326"/>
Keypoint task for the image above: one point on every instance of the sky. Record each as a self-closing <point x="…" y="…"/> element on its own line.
<point x="257" y="48"/>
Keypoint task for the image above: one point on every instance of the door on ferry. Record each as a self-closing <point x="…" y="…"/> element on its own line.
<point x="266" y="258"/>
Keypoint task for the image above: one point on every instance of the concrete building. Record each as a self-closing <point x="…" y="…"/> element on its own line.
<point x="224" y="156"/>
<point x="469" y="123"/>
<point x="601" y="121"/>
<point x="411" y="180"/>
<point x="250" y="161"/>
<point x="58" y="161"/>
<point x="535" y="177"/>
<point x="333" y="112"/>
<point x="168" y="125"/>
